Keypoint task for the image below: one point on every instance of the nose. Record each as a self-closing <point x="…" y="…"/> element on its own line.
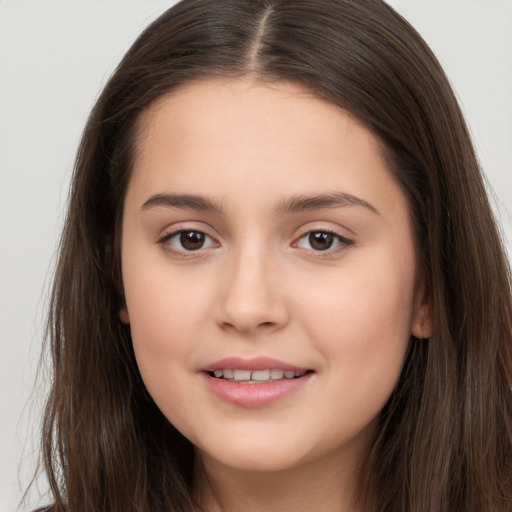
<point x="253" y="295"/>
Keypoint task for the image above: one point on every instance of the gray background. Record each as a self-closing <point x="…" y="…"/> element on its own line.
<point x="54" y="58"/>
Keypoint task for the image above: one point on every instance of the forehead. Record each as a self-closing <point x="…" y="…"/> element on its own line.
<point x="245" y="133"/>
<point x="229" y="107"/>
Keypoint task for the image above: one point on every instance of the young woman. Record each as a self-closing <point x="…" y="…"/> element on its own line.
<point x="280" y="284"/>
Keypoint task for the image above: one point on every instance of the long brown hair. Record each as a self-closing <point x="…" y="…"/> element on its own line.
<point x="445" y="437"/>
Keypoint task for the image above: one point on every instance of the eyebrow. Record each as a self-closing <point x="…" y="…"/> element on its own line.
<point x="184" y="201"/>
<point x="294" y="204"/>
<point x="302" y="203"/>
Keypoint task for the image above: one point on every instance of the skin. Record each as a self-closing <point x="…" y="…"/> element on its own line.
<point x="257" y="287"/>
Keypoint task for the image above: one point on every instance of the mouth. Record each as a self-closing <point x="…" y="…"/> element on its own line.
<point x="255" y="382"/>
<point x="256" y="376"/>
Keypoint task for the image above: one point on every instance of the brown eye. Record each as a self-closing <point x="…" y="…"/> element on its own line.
<point x="323" y="241"/>
<point x="320" y="240"/>
<point x="192" y="240"/>
<point x="187" y="240"/>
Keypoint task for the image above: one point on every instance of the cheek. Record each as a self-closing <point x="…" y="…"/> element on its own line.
<point x="166" y="314"/>
<point x="164" y="327"/>
<point x="362" y="324"/>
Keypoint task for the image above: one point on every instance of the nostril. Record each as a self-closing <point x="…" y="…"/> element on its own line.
<point x="258" y="326"/>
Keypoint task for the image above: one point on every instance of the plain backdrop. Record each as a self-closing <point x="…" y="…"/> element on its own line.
<point x="54" y="58"/>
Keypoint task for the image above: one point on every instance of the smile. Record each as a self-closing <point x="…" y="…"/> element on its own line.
<point x="256" y="382"/>
<point x="256" y="376"/>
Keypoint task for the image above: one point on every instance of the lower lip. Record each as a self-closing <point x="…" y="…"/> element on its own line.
<point x="254" y="395"/>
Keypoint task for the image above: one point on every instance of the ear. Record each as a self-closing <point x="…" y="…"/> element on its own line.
<point x="123" y="315"/>
<point x="422" y="323"/>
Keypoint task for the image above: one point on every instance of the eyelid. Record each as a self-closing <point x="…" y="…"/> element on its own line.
<point x="186" y="225"/>
<point x="343" y="241"/>
<point x="176" y="230"/>
<point x="341" y="238"/>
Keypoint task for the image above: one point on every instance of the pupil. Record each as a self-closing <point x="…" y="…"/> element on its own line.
<point x="321" y="241"/>
<point x="192" y="240"/>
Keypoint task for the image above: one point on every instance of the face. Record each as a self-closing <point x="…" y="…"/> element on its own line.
<point x="270" y="274"/>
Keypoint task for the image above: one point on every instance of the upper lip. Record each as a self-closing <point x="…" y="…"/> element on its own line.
<point x="253" y="364"/>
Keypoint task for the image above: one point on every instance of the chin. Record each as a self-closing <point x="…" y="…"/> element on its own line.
<point x="250" y="456"/>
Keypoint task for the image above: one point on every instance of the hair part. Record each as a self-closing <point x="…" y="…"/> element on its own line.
<point x="445" y="441"/>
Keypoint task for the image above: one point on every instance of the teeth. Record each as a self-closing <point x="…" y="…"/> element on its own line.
<point x="276" y="374"/>
<point x="260" y="375"/>
<point x="242" y="375"/>
<point x="257" y="375"/>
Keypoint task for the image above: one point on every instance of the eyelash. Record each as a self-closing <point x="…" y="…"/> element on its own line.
<point x="166" y="239"/>
<point x="342" y="242"/>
